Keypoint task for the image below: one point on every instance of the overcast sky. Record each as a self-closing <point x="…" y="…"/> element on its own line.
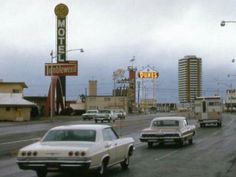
<point x="157" y="32"/>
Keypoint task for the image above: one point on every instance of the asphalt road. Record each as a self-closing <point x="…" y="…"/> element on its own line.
<point x="213" y="153"/>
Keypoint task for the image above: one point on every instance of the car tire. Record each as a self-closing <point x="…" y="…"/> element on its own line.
<point x="150" y="144"/>
<point x="190" y="141"/>
<point x="125" y="164"/>
<point x="219" y="124"/>
<point x="180" y="143"/>
<point x="96" y="121"/>
<point x="102" y="169"/>
<point x="41" y="173"/>
<point x="161" y="143"/>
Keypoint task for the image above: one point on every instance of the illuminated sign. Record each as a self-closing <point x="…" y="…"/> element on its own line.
<point x="61" y="11"/>
<point x="62" y="69"/>
<point x="148" y="75"/>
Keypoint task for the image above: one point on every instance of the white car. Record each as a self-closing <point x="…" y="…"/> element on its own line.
<point x="90" y="114"/>
<point x="168" y="129"/>
<point x="105" y="115"/>
<point x="120" y="113"/>
<point x="76" y="147"/>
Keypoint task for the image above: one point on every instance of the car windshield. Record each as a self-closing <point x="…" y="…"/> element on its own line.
<point x="71" y="135"/>
<point x="165" y="123"/>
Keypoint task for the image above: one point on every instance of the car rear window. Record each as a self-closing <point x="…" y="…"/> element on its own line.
<point x="71" y="135"/>
<point x="165" y="123"/>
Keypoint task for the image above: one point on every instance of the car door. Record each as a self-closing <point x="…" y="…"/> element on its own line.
<point x="110" y="139"/>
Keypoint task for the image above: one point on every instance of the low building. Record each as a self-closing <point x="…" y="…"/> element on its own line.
<point x="40" y="101"/>
<point x="12" y="87"/>
<point x="14" y="108"/>
<point x="230" y="100"/>
<point x="106" y="102"/>
<point x="166" y="107"/>
<point x="78" y="107"/>
<point x="147" y="104"/>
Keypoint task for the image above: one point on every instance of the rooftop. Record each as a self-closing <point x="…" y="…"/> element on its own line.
<point x="13" y="99"/>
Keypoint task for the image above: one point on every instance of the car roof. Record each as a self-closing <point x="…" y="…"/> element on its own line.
<point x="169" y="118"/>
<point x="82" y="126"/>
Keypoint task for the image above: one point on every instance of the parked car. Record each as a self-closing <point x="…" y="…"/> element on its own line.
<point x="90" y="114"/>
<point x="76" y="147"/>
<point x="168" y="129"/>
<point x="105" y="115"/>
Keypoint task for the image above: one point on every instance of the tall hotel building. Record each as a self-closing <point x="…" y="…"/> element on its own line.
<point x="190" y="78"/>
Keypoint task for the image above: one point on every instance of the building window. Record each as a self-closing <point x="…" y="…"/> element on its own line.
<point x="122" y="99"/>
<point x="8" y="108"/>
<point x="92" y="99"/>
<point x="107" y="99"/>
<point x="92" y="107"/>
<point x="16" y="91"/>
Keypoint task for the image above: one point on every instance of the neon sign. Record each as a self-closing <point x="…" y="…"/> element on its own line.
<point x="148" y="75"/>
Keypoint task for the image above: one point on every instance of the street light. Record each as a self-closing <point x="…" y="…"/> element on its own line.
<point x="51" y="89"/>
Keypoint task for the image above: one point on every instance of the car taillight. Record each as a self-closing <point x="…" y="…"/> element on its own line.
<point x="83" y="153"/>
<point x="29" y="153"/>
<point x="23" y="153"/>
<point x="76" y="153"/>
<point x="70" y="153"/>
<point x="35" y="153"/>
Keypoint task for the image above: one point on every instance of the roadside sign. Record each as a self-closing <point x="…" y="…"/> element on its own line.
<point x="69" y="68"/>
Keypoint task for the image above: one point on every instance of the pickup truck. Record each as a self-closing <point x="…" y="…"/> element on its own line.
<point x="90" y="114"/>
<point x="168" y="129"/>
<point x="104" y="115"/>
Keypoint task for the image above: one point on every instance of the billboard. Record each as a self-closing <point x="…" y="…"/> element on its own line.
<point x="69" y="68"/>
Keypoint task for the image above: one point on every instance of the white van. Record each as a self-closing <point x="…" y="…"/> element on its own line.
<point x="208" y="110"/>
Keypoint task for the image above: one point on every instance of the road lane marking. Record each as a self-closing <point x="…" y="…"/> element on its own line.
<point x="19" y="141"/>
<point x="138" y="144"/>
<point x="167" y="155"/>
<point x="215" y="132"/>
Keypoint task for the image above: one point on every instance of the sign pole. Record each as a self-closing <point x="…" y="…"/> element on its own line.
<point x="61" y="11"/>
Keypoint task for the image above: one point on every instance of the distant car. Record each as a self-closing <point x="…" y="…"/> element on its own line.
<point x="120" y="113"/>
<point x="90" y="114"/>
<point x="168" y="129"/>
<point x="105" y="115"/>
<point x="76" y="147"/>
